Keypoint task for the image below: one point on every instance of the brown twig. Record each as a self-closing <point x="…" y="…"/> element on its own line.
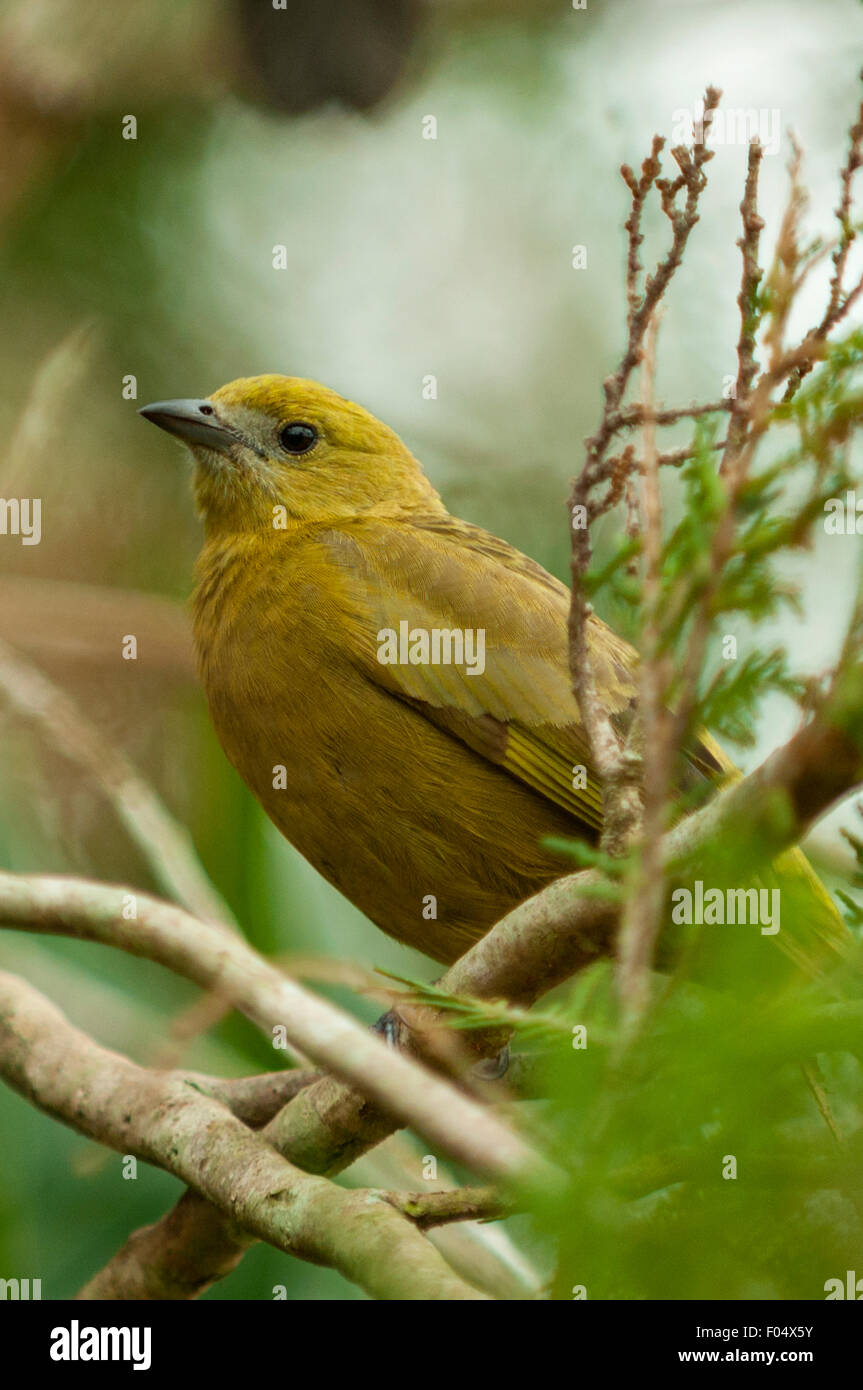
<point x="753" y="225"/>
<point x="615" y="771"/>
<point x="428" y="1209"/>
<point x="838" y="306"/>
<point x="642" y="912"/>
<point x="633" y="416"/>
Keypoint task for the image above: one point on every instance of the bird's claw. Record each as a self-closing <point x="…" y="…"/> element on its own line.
<point x="492" y="1068"/>
<point x="388" y="1025"/>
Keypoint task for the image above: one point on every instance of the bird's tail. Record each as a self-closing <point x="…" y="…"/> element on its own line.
<point x="813" y="933"/>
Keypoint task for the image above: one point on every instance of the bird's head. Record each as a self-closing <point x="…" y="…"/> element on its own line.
<point x="268" y="442"/>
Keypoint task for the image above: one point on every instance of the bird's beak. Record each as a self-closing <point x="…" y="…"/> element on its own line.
<point x="195" y="422"/>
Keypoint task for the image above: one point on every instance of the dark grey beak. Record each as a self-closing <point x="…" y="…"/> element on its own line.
<point x="195" y="422"/>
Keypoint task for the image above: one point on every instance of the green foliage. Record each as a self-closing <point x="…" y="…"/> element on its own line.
<point x="587" y="856"/>
<point x="727" y="703"/>
<point x="703" y="1161"/>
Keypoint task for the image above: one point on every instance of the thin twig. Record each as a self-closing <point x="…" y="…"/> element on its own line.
<point x="642" y="912"/>
<point x="614" y="770"/>
<point x="428" y="1209"/>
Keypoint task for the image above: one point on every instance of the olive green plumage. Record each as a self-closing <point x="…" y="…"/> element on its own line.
<point x="404" y="782"/>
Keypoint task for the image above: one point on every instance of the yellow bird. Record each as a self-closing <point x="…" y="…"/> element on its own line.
<point x="391" y="682"/>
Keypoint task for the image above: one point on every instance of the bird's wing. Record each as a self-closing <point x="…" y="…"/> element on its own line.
<point x="517" y="710"/>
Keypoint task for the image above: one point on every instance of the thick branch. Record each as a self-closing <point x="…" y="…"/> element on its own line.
<point x="169" y="1123"/>
<point x="218" y="960"/>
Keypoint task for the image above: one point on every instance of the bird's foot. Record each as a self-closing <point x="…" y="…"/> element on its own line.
<point x="492" y="1068"/>
<point x="389" y="1025"/>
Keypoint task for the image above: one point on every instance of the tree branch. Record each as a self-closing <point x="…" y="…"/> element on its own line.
<point x="169" y="1123"/>
<point x="428" y="1209"/>
<point x="218" y="960"/>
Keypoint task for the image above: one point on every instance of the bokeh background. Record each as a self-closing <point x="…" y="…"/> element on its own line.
<point x="407" y="257"/>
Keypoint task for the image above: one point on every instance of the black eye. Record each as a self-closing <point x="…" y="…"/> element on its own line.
<point x="298" y="438"/>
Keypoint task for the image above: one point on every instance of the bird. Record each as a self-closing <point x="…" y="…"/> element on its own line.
<point x="391" y="682"/>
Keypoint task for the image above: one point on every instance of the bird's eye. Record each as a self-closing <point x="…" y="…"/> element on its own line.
<point x="298" y="437"/>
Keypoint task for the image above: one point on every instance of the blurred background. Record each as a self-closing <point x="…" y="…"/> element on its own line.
<point x="135" y="269"/>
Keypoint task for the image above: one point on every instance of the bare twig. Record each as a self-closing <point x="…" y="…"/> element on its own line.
<point x="633" y="416"/>
<point x="753" y="225"/>
<point x="838" y="304"/>
<point x="836" y="309"/>
<point x="614" y="769"/>
<point x="641" y="918"/>
<point x="427" y="1209"/>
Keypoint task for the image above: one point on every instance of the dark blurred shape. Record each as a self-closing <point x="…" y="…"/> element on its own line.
<point x="348" y="51"/>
